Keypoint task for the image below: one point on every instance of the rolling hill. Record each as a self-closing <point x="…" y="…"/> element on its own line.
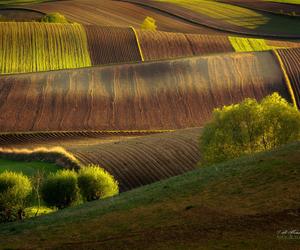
<point x="242" y="204"/>
<point x="137" y="96"/>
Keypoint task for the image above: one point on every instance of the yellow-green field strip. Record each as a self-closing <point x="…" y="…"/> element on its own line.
<point x="33" y="47"/>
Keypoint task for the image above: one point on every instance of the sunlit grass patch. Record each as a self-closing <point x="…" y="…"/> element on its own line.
<point x="241" y="44"/>
<point x="37" y="211"/>
<point x="27" y="168"/>
<point x="224" y="12"/>
<point x="32" y="46"/>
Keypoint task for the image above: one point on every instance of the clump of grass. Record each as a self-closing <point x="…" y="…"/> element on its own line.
<point x="33" y="46"/>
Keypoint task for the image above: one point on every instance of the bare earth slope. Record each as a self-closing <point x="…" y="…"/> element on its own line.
<point x="159" y="95"/>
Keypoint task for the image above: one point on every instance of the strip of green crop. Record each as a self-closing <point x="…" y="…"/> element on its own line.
<point x="241" y="44"/>
<point x="32" y="47"/>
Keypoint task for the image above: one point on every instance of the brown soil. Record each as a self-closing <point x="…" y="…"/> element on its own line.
<point x="112" y="45"/>
<point x="291" y="60"/>
<point x="133" y="159"/>
<point x="158" y="95"/>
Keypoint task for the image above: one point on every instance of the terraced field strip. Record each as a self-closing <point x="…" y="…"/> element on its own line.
<point x="163" y="45"/>
<point x="31" y="47"/>
<point x="136" y="96"/>
<point x="209" y="44"/>
<point x="20" y="14"/>
<point x="133" y="158"/>
<point x="272" y="6"/>
<point x="225" y="12"/>
<point x="226" y="18"/>
<point x="166" y="45"/>
<point x="249" y="44"/>
<point x="291" y="66"/>
<point x="241" y="44"/>
<point x="282" y="44"/>
<point x="112" y="45"/>
<point x="116" y="13"/>
<point x="17" y="139"/>
<point x="143" y="160"/>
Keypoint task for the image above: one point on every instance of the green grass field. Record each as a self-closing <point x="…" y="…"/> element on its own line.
<point x="27" y="168"/>
<point x="235" y="205"/>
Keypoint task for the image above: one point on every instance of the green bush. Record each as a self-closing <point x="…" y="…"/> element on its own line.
<point x="54" y="18"/>
<point x="149" y="24"/>
<point x="60" y="189"/>
<point x="249" y="127"/>
<point x="15" y="189"/>
<point x="95" y="183"/>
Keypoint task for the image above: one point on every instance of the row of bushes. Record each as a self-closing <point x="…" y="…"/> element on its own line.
<point x="61" y="189"/>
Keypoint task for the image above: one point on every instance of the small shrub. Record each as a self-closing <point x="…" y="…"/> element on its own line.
<point x="149" y="24"/>
<point x="249" y="127"/>
<point x="15" y="189"/>
<point x="60" y="189"/>
<point x="54" y="18"/>
<point x="95" y="183"/>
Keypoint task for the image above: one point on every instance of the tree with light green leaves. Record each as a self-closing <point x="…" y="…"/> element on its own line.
<point x="249" y="127"/>
<point x="149" y="24"/>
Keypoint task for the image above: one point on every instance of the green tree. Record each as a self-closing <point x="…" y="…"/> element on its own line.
<point x="54" y="18"/>
<point x="15" y="189"/>
<point x="249" y="127"/>
<point x="60" y="189"/>
<point x="149" y="24"/>
<point x="95" y="183"/>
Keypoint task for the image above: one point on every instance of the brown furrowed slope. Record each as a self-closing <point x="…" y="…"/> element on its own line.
<point x="116" y="45"/>
<point x="133" y="158"/>
<point x="20" y="14"/>
<point x="291" y="61"/>
<point x="141" y="161"/>
<point x="112" y="45"/>
<point x="158" y="95"/>
<point x="115" y="13"/>
<point x="206" y="44"/>
<point x="163" y="45"/>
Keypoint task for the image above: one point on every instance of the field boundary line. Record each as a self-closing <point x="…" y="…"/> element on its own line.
<point x="286" y="77"/>
<point x="138" y="43"/>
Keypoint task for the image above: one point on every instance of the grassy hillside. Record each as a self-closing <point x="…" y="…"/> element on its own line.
<point x="27" y="168"/>
<point x="239" y="204"/>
